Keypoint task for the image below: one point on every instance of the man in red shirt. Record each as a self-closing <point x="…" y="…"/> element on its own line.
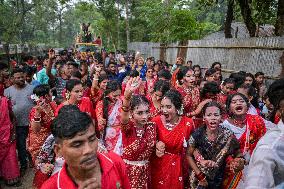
<point x="84" y="167"/>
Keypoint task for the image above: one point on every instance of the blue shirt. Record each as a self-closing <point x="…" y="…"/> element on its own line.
<point x="42" y="76"/>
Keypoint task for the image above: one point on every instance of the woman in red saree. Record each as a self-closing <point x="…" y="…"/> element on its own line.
<point x="188" y="90"/>
<point x="138" y="136"/>
<point x="160" y="88"/>
<point x="191" y="95"/>
<point x="9" y="168"/>
<point x="168" y="167"/>
<point x="40" y="118"/>
<point x="98" y="87"/>
<point x="108" y="117"/>
<point x="248" y="129"/>
<point x="150" y="81"/>
<point x="74" y="96"/>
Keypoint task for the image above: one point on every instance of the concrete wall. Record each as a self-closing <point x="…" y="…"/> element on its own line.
<point x="250" y="54"/>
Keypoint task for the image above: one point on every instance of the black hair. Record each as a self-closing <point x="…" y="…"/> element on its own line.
<point x="229" y="100"/>
<point x="165" y="74"/>
<point x="216" y="63"/>
<point x="258" y="74"/>
<point x="41" y="90"/>
<point x="29" y="70"/>
<point x="229" y="81"/>
<point x="77" y="74"/>
<point x="71" y="63"/>
<point x="211" y="104"/>
<point x="3" y="66"/>
<point x="70" y="122"/>
<point x="111" y="61"/>
<point x="111" y="87"/>
<point x="17" y="70"/>
<point x="275" y="95"/>
<point x="71" y="83"/>
<point x="181" y="73"/>
<point x="133" y="73"/>
<point x="253" y="79"/>
<point x="239" y="79"/>
<point x="210" y="72"/>
<point x="175" y="97"/>
<point x="162" y="86"/>
<point x="137" y="100"/>
<point x="209" y="87"/>
<point x="252" y="92"/>
<point x="197" y="66"/>
<point x="102" y="78"/>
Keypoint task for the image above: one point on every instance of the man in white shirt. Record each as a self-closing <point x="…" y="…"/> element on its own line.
<point x="266" y="167"/>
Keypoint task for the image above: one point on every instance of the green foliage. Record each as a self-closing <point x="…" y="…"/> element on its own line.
<point x="57" y="22"/>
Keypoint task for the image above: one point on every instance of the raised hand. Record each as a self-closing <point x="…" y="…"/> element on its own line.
<point x="133" y="84"/>
<point x="51" y="54"/>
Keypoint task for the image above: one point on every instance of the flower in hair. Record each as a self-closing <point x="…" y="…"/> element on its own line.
<point x="34" y="97"/>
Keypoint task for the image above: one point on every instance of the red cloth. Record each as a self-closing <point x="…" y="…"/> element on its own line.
<point x="257" y="130"/>
<point x="39" y="179"/>
<point x="153" y="110"/>
<point x="168" y="171"/>
<point x="137" y="148"/>
<point x="85" y="105"/>
<point x="191" y="98"/>
<point x="9" y="168"/>
<point x="113" y="174"/>
<point x="36" y="139"/>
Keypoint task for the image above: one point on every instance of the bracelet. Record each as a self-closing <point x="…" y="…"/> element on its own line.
<point x="201" y="176"/>
<point x="96" y="79"/>
<point x="127" y="98"/>
<point x="125" y="108"/>
<point x="199" y="158"/>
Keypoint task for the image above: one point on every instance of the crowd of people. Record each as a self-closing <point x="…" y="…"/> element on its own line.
<point x="119" y="121"/>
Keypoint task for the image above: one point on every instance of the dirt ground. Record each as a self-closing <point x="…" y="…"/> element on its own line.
<point x="26" y="181"/>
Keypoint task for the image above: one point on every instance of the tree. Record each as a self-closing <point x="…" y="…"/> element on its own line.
<point x="279" y="25"/>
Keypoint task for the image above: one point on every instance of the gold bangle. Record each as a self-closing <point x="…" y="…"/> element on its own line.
<point x="125" y="108"/>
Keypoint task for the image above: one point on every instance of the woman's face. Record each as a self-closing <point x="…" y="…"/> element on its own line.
<point x="197" y="71"/>
<point x="141" y="114"/>
<point x="189" y="78"/>
<point x="212" y="117"/>
<point x="249" y="80"/>
<point x="281" y="109"/>
<point x="158" y="95"/>
<point x="77" y="92"/>
<point x="114" y="96"/>
<point x="150" y="73"/>
<point x="140" y="62"/>
<point x="238" y="106"/>
<point x="211" y="78"/>
<point x="48" y="97"/>
<point x="157" y="67"/>
<point x="218" y="75"/>
<point x="103" y="84"/>
<point x="168" y="109"/>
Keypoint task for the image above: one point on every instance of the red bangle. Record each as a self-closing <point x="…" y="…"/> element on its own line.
<point x="201" y="176"/>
